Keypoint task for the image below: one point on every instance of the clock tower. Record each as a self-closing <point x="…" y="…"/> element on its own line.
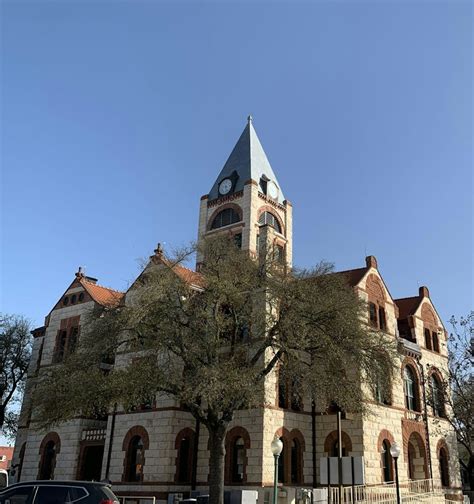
<point x="247" y="202"/>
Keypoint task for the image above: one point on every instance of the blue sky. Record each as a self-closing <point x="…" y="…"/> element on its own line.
<point x="118" y="116"/>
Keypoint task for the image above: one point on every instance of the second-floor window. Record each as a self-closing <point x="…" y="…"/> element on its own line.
<point x="411" y="389"/>
<point x="66" y="342"/>
<point x="377" y="316"/>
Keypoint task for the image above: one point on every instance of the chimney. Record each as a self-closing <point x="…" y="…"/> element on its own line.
<point x="371" y="261"/>
<point x="424" y="292"/>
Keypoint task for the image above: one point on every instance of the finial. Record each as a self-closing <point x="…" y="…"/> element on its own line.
<point x="249" y="119"/>
<point x="159" y="250"/>
<point x="80" y="272"/>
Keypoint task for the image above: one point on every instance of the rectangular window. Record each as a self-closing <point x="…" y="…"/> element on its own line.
<point x="428" y="339"/>
<point x="373" y="314"/>
<point x="238" y="240"/>
<point x="382" y="319"/>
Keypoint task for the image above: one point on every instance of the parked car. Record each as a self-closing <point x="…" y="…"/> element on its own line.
<point x="58" y="492"/>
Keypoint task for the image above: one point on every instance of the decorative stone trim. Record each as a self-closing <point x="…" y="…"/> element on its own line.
<point x="230" y="197"/>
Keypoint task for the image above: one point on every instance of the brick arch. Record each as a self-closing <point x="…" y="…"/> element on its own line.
<point x="433" y="370"/>
<point x="191" y="435"/>
<point x="384" y="435"/>
<point x="218" y="210"/>
<point x="238" y="432"/>
<point x="428" y="316"/>
<point x="374" y="289"/>
<point x="54" y="437"/>
<point x="442" y="444"/>
<point x="282" y="432"/>
<point x="416" y="436"/>
<point x="231" y="436"/>
<point x="332" y="437"/>
<point x="296" y="434"/>
<point x="270" y="209"/>
<point x="410" y="361"/>
<point x="137" y="430"/>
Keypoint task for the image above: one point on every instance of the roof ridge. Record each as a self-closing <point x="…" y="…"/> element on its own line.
<point x="102" y="286"/>
<point x="408" y="297"/>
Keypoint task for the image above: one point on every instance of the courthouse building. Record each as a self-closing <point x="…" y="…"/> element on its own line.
<point x="159" y="449"/>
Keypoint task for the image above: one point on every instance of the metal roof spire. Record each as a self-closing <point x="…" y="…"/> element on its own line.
<point x="247" y="161"/>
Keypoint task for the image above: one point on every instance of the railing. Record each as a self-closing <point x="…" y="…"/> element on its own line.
<point x="412" y="491"/>
<point x="131" y="499"/>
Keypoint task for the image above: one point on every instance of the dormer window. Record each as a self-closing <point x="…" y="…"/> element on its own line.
<point x="267" y="218"/>
<point x="227" y="217"/>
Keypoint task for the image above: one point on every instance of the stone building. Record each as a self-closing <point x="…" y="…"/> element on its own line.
<point x="159" y="449"/>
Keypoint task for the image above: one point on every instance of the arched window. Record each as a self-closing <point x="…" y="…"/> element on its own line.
<point x="267" y="218"/>
<point x="135" y="459"/>
<point x="295" y="467"/>
<point x="444" y="467"/>
<point x="185" y="446"/>
<point x="387" y="466"/>
<point x="437" y="396"/>
<point x="225" y="218"/>
<point x="237" y="461"/>
<point x="21" y="457"/>
<point x="48" y="461"/>
<point x="48" y="451"/>
<point x="281" y="462"/>
<point x="335" y="449"/>
<point x="411" y="388"/>
<point x="237" y="443"/>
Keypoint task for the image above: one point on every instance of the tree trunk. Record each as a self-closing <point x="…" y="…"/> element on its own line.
<point x="216" y="463"/>
<point x="2" y="416"/>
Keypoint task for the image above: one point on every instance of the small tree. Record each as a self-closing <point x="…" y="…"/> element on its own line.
<point x="210" y="339"/>
<point x="461" y="400"/>
<point x="15" y="352"/>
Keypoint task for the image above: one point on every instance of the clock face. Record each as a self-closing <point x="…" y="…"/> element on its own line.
<point x="272" y="190"/>
<point x="225" y="186"/>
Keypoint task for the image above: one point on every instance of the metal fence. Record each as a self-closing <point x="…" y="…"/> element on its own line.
<point x="411" y="492"/>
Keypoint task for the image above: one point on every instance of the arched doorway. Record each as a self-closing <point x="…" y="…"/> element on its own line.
<point x="416" y="457"/>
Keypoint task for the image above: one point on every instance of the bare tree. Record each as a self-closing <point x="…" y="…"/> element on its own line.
<point x="209" y="340"/>
<point x="15" y="351"/>
<point x="461" y="400"/>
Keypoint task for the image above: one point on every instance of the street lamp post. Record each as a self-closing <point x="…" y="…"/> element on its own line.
<point x="277" y="448"/>
<point x="395" y="453"/>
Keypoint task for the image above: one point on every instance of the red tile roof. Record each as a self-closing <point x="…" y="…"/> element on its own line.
<point x="407" y="306"/>
<point x="189" y="276"/>
<point x="8" y="452"/>
<point x="102" y="295"/>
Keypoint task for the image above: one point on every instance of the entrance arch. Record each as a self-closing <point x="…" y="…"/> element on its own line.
<point x="417" y="463"/>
